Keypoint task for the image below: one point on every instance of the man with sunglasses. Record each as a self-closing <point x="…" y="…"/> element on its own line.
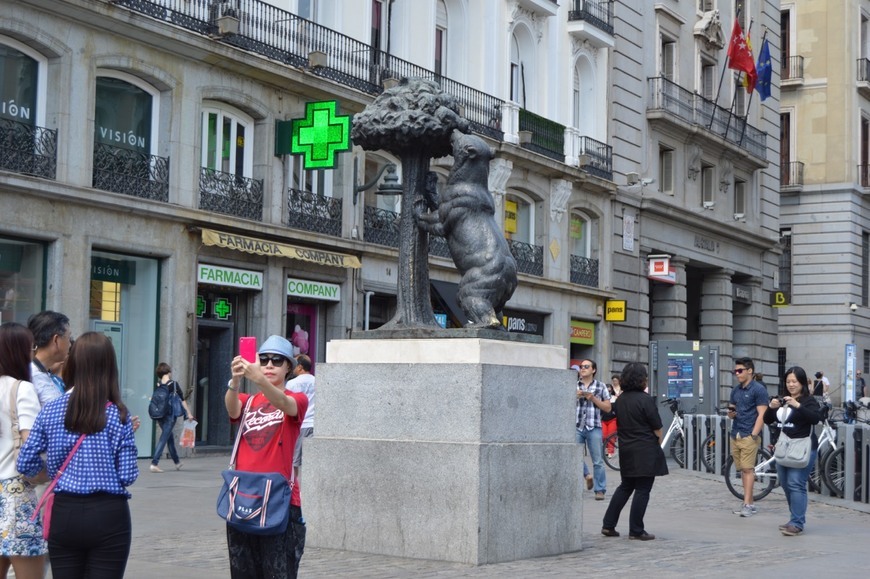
<point x="746" y="409"/>
<point x="593" y="398"/>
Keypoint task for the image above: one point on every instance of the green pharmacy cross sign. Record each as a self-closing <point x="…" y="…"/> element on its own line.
<point x="200" y="306"/>
<point x="222" y="309"/>
<point x="320" y="135"/>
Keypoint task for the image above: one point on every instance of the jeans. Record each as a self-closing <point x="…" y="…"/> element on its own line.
<point x="593" y="441"/>
<point x="641" y="487"/>
<point x="166" y="425"/>
<point x="268" y="556"/>
<point x="90" y="536"/>
<point x="794" y="484"/>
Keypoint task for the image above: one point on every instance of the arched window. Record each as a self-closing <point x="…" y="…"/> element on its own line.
<point x="517" y="74"/>
<point x="581" y="235"/>
<point x="519" y="219"/>
<point x="440" y="67"/>
<point x="227" y="140"/>
<point x="22" y="83"/>
<point x="585" y="110"/>
<point x="126" y="112"/>
<point x="583" y="238"/>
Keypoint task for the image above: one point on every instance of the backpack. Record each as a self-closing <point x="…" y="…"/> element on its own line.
<point x="160" y="405"/>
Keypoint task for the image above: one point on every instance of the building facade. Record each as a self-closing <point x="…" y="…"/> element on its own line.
<point x="825" y="232"/>
<point x="144" y="194"/>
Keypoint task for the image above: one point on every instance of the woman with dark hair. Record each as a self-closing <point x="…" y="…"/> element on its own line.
<point x="91" y="530"/>
<point x="641" y="458"/>
<point x="21" y="542"/>
<point x="795" y="413"/>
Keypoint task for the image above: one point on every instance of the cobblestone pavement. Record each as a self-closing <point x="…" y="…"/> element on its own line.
<point x="177" y="534"/>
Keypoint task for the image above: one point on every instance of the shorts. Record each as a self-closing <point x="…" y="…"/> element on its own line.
<point x="297" y="452"/>
<point x="745" y="452"/>
<point x="19" y="536"/>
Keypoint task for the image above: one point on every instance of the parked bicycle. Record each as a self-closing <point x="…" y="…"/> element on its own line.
<point x="834" y="466"/>
<point x="673" y="442"/>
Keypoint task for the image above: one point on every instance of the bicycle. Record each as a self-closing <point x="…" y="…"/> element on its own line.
<point x="708" y="448"/>
<point x="766" y="478"/>
<point x="674" y="439"/>
<point x="834" y="467"/>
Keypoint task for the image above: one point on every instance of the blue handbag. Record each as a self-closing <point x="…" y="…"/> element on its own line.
<point x="254" y="502"/>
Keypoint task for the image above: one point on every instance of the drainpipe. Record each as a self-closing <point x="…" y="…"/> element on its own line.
<point x="368" y="309"/>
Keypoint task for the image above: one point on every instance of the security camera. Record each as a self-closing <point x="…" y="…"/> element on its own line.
<point x="854" y="307"/>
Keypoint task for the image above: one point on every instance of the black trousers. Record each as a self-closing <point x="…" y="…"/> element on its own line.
<point x="641" y="487"/>
<point x="89" y="536"/>
<point x="267" y="556"/>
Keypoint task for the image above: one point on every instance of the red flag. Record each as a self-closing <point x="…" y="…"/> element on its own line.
<point x="740" y="56"/>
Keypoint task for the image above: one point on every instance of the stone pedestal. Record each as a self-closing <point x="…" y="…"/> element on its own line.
<point x="455" y="450"/>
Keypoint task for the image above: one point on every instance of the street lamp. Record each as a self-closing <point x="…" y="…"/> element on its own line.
<point x="390" y="186"/>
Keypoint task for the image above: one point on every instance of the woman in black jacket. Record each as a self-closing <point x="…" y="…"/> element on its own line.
<point x="641" y="458"/>
<point x="795" y="413"/>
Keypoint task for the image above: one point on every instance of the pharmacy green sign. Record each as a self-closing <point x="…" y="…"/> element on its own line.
<point x="320" y="135"/>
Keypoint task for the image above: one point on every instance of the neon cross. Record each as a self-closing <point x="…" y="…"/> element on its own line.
<point x="320" y="135"/>
<point x="200" y="306"/>
<point x="222" y="308"/>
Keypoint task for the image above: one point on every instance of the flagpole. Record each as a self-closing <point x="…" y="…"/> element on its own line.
<point x="749" y="102"/>
<point x="722" y="76"/>
<point x="734" y="96"/>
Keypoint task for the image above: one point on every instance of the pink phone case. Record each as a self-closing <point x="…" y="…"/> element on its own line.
<point x="248" y="348"/>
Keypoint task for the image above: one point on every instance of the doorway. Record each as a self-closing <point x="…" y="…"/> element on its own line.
<point x="214" y="352"/>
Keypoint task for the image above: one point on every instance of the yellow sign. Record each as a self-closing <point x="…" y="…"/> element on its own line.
<point x="510" y="216"/>
<point x="263" y="247"/>
<point x="582" y="333"/>
<point x="615" y="310"/>
<point x="779" y="299"/>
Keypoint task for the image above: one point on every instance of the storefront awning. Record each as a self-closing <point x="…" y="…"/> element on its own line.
<point x="263" y="247"/>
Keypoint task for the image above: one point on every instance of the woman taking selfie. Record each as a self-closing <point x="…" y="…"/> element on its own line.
<point x="21" y="542"/>
<point x="795" y="413"/>
<point x="90" y="528"/>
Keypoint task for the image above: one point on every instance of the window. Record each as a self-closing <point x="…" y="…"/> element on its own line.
<point x="125" y="115"/>
<point x="865" y="268"/>
<point x="708" y="79"/>
<point x="227" y="141"/>
<point x="864" y="41"/>
<point x="517" y="74"/>
<point x="667" y="60"/>
<point x="440" y="37"/>
<point x="666" y="170"/>
<point x="864" y="160"/>
<point x="377" y="35"/>
<point x="307" y="9"/>
<point x="739" y="198"/>
<point x="742" y="12"/>
<point x="318" y="181"/>
<point x="739" y="97"/>
<point x="708" y="189"/>
<point x="785" y="261"/>
<point x="22" y="273"/>
<point x="519" y="219"/>
<point x="582" y="233"/>
<point x="785" y="35"/>
<point x="785" y="146"/>
<point x="22" y="79"/>
<point x="706" y="5"/>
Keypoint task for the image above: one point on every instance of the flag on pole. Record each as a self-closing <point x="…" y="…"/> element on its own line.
<point x="740" y="56"/>
<point x="764" y="70"/>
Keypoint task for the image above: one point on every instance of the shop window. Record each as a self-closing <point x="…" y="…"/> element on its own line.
<point x="22" y="283"/>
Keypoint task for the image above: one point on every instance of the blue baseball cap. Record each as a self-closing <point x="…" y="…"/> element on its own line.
<point x="278" y="345"/>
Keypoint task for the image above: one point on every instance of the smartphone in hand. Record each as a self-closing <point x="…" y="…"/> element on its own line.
<point x="248" y="348"/>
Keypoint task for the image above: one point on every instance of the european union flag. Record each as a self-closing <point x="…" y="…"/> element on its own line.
<point x="764" y="71"/>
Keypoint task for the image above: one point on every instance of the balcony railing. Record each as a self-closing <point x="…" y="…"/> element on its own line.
<point x="381" y="226"/>
<point x="692" y="108"/>
<point x="598" y="13"/>
<point x="791" y="175"/>
<point x="547" y="137"/>
<point x="530" y="258"/>
<point x="131" y="173"/>
<point x="864" y="70"/>
<point x="793" y="68"/>
<point x="438" y="247"/>
<point x="599" y="157"/>
<point x="27" y="149"/>
<point x="312" y="212"/>
<point x="230" y="194"/>
<point x="584" y="271"/>
<point x="287" y="38"/>
<point x="864" y="175"/>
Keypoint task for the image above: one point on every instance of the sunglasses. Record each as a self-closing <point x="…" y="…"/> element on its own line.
<point x="586" y="366"/>
<point x="276" y="360"/>
<point x="739" y="370"/>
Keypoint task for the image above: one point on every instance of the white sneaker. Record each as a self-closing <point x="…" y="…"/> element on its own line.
<point x="155" y="468"/>
<point x="179" y="465"/>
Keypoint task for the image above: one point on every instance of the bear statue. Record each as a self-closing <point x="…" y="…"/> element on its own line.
<point x="464" y="215"/>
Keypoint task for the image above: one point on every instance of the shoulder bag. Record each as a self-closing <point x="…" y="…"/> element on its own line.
<point x="254" y="502"/>
<point x="47" y="499"/>
<point x="793" y="452"/>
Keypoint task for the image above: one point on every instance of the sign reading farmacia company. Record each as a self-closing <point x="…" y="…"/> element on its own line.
<point x="228" y="276"/>
<point x="317" y="290"/>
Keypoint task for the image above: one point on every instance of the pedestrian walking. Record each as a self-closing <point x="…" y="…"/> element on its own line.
<point x="176" y="407"/>
<point x="641" y="457"/>
<point x="746" y="408"/>
<point x="593" y="398"/>
<point x="270" y="428"/>
<point x="91" y="429"/>
<point x="21" y="542"/>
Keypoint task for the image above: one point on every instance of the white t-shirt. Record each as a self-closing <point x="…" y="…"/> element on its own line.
<point x="28" y="408"/>
<point x="304" y="383"/>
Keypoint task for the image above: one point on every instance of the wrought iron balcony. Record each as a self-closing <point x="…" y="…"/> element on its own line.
<point x="283" y="36"/>
<point x="791" y="176"/>
<point x="312" y="212"/>
<point x="530" y="258"/>
<point x="27" y="149"/>
<point x="598" y="13"/>
<point x="230" y="194"/>
<point x="381" y="226"/>
<point x="131" y="173"/>
<point x="542" y="135"/>
<point x="599" y="157"/>
<point x="792" y="70"/>
<point x="864" y="175"/>
<point x="584" y="271"/>
<point x="668" y="97"/>
<point x="438" y="247"/>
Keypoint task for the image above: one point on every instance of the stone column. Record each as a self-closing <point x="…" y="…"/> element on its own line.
<point x="717" y="322"/>
<point x="668" y="308"/>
